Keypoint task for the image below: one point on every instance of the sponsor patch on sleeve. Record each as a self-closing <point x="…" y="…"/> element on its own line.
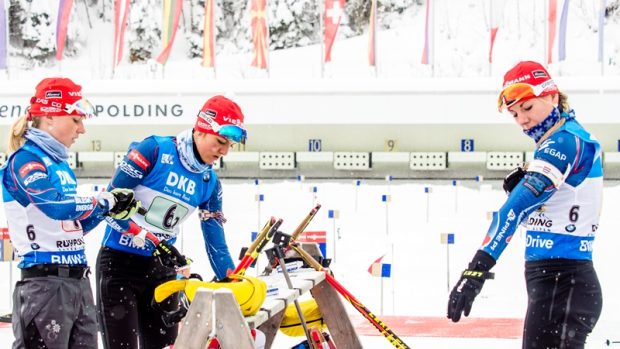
<point x="534" y="184"/>
<point x="139" y="159"/>
<point x="31" y="166"/>
<point x="34" y="177"/>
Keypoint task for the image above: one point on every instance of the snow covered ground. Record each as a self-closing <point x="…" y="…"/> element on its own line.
<point x="408" y="230"/>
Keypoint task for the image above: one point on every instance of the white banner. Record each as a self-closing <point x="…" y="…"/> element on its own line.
<point x="110" y="111"/>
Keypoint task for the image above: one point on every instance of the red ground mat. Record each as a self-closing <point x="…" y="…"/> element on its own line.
<point x="420" y="326"/>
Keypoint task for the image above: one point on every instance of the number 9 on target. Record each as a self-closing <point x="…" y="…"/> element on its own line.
<point x="390" y="145"/>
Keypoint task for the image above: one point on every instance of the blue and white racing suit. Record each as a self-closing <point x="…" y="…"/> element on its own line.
<point x="559" y="203"/>
<point x="170" y="193"/>
<point x="127" y="274"/>
<point x="47" y="223"/>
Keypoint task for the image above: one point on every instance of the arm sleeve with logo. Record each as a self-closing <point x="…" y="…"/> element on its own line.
<point x="137" y="164"/>
<point x="29" y="182"/>
<point x="213" y="232"/>
<point x="560" y="150"/>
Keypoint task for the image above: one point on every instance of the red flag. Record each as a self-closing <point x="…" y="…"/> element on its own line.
<point x="372" y="30"/>
<point x="121" y="10"/>
<point x="552" y="18"/>
<point x="331" y="19"/>
<point x="208" y="52"/>
<point x="259" y="33"/>
<point x="497" y="9"/>
<point x="172" y="13"/>
<point x="64" y="11"/>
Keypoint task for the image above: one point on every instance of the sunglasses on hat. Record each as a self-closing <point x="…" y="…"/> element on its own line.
<point x="233" y="133"/>
<point x="521" y="91"/>
<point x="82" y="107"/>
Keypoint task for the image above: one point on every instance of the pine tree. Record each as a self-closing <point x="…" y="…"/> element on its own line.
<point x="144" y="29"/>
<point x="32" y="32"/>
<point x="293" y="23"/>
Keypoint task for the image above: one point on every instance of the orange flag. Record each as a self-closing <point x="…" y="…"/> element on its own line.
<point x="259" y="33"/>
<point x="372" y="30"/>
<point x="208" y="52"/>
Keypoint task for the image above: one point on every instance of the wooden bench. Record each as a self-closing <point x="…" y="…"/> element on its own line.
<point x="233" y="330"/>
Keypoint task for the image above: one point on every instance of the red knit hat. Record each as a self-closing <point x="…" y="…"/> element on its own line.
<point x="219" y="112"/>
<point x="58" y="97"/>
<point x="525" y="81"/>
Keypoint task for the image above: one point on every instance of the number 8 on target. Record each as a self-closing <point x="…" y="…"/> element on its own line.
<point x="467" y="145"/>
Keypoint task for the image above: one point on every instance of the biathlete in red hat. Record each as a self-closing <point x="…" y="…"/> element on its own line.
<point x="557" y="197"/>
<point x="173" y="178"/>
<point x="53" y="303"/>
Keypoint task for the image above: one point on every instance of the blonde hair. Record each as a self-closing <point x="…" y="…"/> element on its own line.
<point x="17" y="131"/>
<point x="563" y="102"/>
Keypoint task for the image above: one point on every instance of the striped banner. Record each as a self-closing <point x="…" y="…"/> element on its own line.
<point x="553" y="5"/>
<point x="62" y="22"/>
<point x="372" y="33"/>
<point x="121" y="10"/>
<point x="4" y="45"/>
<point x="562" y="36"/>
<point x="260" y="33"/>
<point x="426" y="53"/>
<point x="172" y="13"/>
<point x="208" y="50"/>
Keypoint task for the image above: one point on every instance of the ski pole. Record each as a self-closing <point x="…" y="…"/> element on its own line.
<point x="300" y="229"/>
<point x="257" y="246"/>
<point x="372" y="318"/>
<point x="302" y="226"/>
<point x="289" y="283"/>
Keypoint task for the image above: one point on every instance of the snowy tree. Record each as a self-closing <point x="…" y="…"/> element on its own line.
<point x="32" y="26"/>
<point x="195" y="33"/>
<point x="32" y="23"/>
<point x="293" y="23"/>
<point x="144" y="29"/>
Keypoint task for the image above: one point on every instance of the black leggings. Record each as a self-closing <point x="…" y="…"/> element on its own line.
<point x="125" y="287"/>
<point x="565" y="302"/>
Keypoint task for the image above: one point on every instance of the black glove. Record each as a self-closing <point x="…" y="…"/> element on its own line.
<point x="121" y="203"/>
<point x="195" y="276"/>
<point x="169" y="256"/>
<point x="469" y="285"/>
<point x="513" y="178"/>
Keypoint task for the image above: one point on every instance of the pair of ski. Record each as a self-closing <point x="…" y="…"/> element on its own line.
<point x="266" y="235"/>
<point x="258" y="245"/>
<point x="370" y="316"/>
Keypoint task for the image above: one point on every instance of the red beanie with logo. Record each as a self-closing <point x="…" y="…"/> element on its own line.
<point x="525" y="73"/>
<point x="221" y="110"/>
<point x="53" y="97"/>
